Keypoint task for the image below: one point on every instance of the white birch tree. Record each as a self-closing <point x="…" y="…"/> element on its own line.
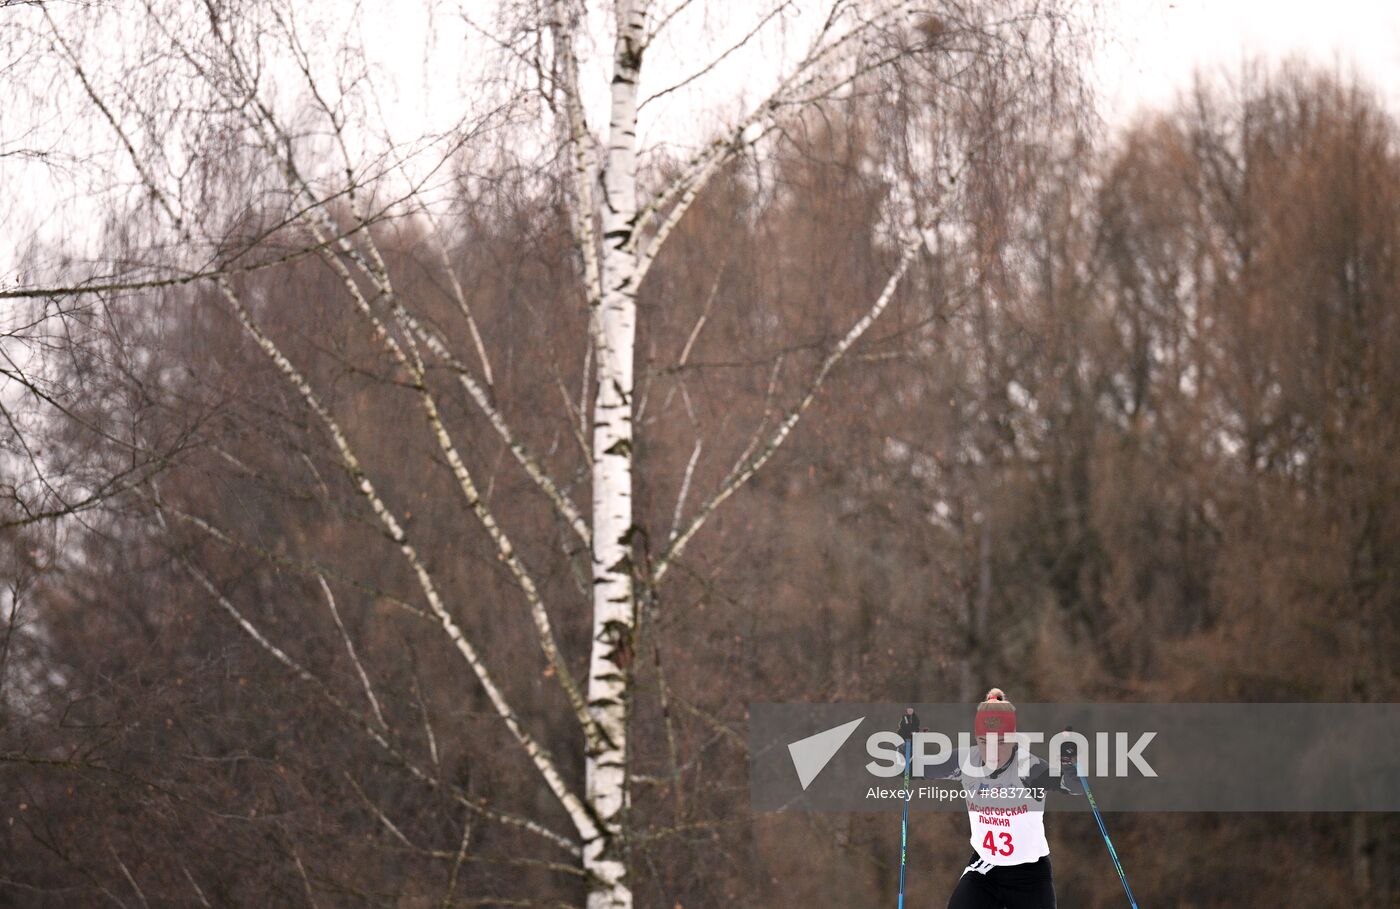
<point x="208" y="109"/>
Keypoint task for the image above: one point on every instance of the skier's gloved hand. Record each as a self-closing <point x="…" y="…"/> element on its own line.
<point x="908" y="723"/>
<point x="1069" y="758"/>
<point x="1069" y="768"/>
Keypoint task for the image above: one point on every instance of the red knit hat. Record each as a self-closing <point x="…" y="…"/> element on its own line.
<point x="996" y="715"/>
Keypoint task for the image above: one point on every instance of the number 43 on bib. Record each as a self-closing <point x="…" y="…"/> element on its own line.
<point x="1005" y="847"/>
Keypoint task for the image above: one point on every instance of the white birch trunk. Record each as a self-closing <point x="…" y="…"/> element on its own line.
<point x="614" y="601"/>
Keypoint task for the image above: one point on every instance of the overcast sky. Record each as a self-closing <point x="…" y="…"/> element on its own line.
<point x="1153" y="46"/>
<point x="1148" y="51"/>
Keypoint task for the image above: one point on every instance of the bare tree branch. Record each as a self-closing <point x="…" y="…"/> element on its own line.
<point x="750" y="466"/>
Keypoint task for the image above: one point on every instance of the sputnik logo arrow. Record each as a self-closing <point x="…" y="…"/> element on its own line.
<point x="811" y="754"/>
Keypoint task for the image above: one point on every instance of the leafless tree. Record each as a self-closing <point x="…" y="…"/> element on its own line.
<point x="250" y="171"/>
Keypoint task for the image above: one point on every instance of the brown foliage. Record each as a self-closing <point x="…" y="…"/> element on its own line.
<point x="1135" y="439"/>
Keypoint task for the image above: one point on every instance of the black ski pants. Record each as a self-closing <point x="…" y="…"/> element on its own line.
<point x="1027" y="886"/>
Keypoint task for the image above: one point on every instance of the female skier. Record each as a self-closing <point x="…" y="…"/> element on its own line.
<point x="1005" y="794"/>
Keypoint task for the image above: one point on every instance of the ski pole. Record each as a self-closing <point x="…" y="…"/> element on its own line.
<point x="904" y="828"/>
<point x="1084" y="781"/>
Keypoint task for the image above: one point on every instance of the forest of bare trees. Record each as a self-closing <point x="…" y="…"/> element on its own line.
<point x="407" y="518"/>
